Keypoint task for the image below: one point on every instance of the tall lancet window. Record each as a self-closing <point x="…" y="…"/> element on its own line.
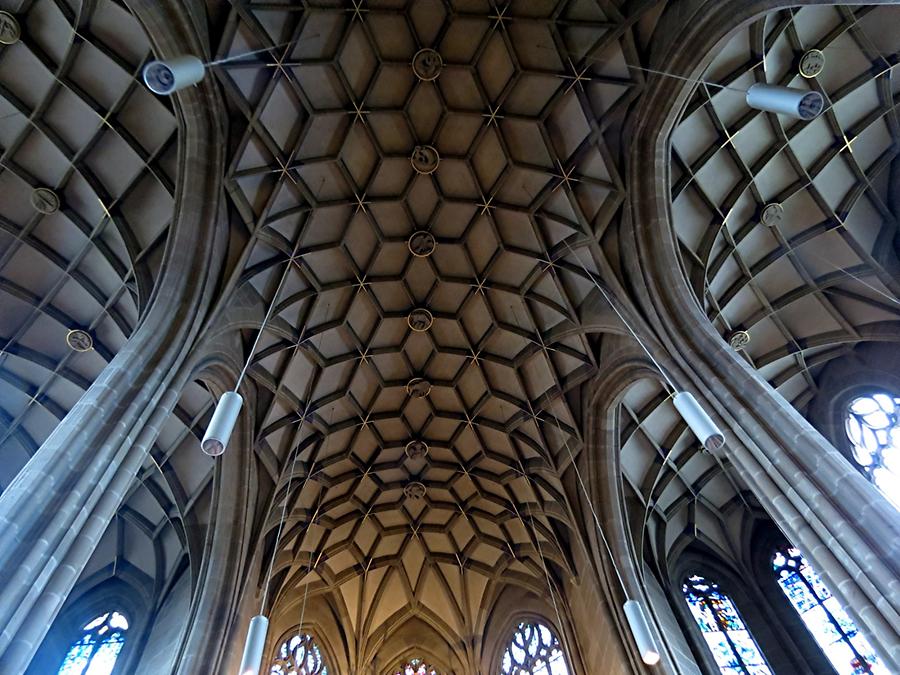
<point x="98" y="648"/>
<point x="533" y="650"/>
<point x="839" y="638"/>
<point x="299" y="655"/>
<point x="416" y="667"/>
<point x="873" y="426"/>
<point x="726" y="635"/>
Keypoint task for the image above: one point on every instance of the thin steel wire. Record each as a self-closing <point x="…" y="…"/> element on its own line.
<point x="268" y="315"/>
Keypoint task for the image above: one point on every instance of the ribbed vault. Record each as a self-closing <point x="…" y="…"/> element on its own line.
<point x="805" y="287"/>
<point x="87" y="178"/>
<point x="504" y="155"/>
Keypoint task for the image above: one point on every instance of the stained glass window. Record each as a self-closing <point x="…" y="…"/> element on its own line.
<point x="533" y="650"/>
<point x="849" y="652"/>
<point x="416" y="667"/>
<point x="726" y="635"/>
<point x="300" y="655"/>
<point x="873" y="427"/>
<point x="100" y="644"/>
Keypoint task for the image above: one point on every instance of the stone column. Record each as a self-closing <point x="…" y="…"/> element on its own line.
<point x="622" y="365"/>
<point x="224" y="570"/>
<point x="849" y="531"/>
<point x="55" y="511"/>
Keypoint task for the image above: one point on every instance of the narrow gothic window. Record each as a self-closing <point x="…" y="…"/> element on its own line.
<point x="533" y="650"/>
<point x="100" y="644"/>
<point x="731" y="644"/>
<point x="873" y="426"/>
<point x="416" y="667"/>
<point x="839" y="638"/>
<point x="300" y="655"/>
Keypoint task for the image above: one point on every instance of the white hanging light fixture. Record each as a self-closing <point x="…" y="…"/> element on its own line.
<point x="222" y="424"/>
<point x="691" y="412"/>
<point x="640" y="629"/>
<point x="802" y="104"/>
<point x="168" y="76"/>
<point x="634" y="611"/>
<point x="799" y="103"/>
<point x="215" y="440"/>
<point x="699" y="422"/>
<point x="256" y="643"/>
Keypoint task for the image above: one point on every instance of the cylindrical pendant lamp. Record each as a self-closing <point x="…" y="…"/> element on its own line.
<point x="222" y="423"/>
<point x="699" y="422"/>
<point x="799" y="103"/>
<point x="170" y="75"/>
<point x="640" y="629"/>
<point x="253" y="648"/>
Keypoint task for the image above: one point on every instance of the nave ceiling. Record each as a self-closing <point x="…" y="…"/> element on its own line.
<point x="509" y="152"/>
<point x="502" y="154"/>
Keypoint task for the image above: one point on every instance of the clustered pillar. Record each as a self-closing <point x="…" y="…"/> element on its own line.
<point x="56" y="510"/>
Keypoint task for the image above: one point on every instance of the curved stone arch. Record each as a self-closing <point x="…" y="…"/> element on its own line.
<point x="605" y="478"/>
<point x="857" y="563"/>
<point x="532" y="610"/>
<point x="406" y="643"/>
<point x="319" y="632"/>
<point x="325" y="616"/>
<point x="869" y="367"/>
<point x="128" y="591"/>
<point x="736" y="580"/>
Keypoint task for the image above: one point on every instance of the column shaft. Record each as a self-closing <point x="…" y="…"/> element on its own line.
<point x="849" y="531"/>
<point x="54" y="512"/>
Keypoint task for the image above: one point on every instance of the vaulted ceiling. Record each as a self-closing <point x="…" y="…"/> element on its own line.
<point x="87" y="181"/>
<point x="788" y="235"/>
<point x="402" y="157"/>
<point x="461" y="157"/>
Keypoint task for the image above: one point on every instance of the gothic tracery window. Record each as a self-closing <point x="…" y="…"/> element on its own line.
<point x="873" y="427"/>
<point x="733" y="648"/>
<point x="838" y="637"/>
<point x="299" y="655"/>
<point x="416" y="667"/>
<point x="533" y="650"/>
<point x="98" y="648"/>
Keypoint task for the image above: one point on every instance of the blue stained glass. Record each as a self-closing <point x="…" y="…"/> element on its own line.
<point x="732" y="646"/>
<point x="833" y="629"/>
<point x="98" y="649"/>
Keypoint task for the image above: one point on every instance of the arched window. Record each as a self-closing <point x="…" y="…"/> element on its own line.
<point x="100" y="644"/>
<point x="300" y="655"/>
<point x="731" y="644"/>
<point x="873" y="427"/>
<point x="838" y="637"/>
<point x="416" y="667"/>
<point x="533" y="650"/>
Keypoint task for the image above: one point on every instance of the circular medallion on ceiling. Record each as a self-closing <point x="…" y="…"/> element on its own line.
<point x="79" y="340"/>
<point x="9" y="29"/>
<point x="771" y="214"/>
<point x="417" y="449"/>
<point x="420" y="320"/>
<point x="44" y="200"/>
<point x="414" y="490"/>
<point x="427" y="64"/>
<point x="421" y="244"/>
<point x="739" y="339"/>
<point x="418" y="387"/>
<point x="425" y="159"/>
<point x="812" y="63"/>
